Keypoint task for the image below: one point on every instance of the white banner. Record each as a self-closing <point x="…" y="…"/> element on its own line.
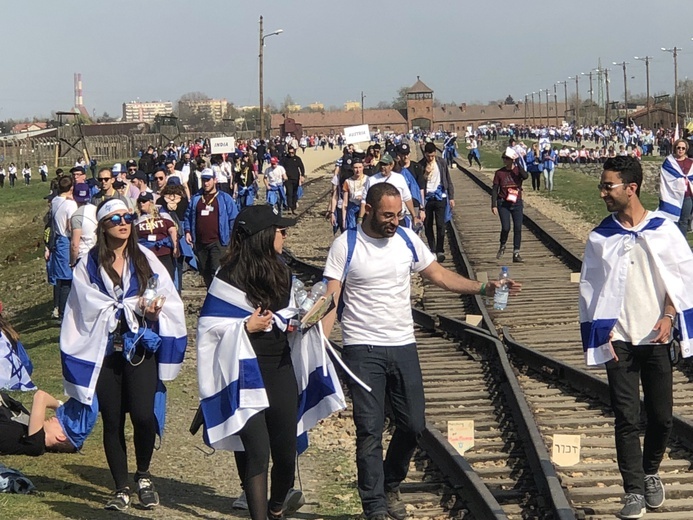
<point x="222" y="145"/>
<point x="357" y="134"/>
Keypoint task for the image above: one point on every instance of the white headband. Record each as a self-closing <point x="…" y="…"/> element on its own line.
<point x="109" y="207"/>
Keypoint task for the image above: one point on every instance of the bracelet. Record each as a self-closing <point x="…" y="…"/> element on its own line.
<point x="482" y="291"/>
<point x="359" y="219"/>
<point x="671" y="317"/>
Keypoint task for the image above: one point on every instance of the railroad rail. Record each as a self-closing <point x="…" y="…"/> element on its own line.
<point x="467" y="375"/>
<point x="541" y="331"/>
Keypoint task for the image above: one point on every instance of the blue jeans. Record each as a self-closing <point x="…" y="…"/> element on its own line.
<point x="548" y="179"/>
<point x="394" y="374"/>
<point x="685" y="218"/>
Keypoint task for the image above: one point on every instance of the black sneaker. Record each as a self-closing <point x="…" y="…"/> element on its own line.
<point x="147" y="494"/>
<point x="634" y="506"/>
<point x="501" y="251"/>
<point x="395" y="507"/>
<point x="120" y="501"/>
<point x="294" y="501"/>
<point x="517" y="259"/>
<point x="654" y="491"/>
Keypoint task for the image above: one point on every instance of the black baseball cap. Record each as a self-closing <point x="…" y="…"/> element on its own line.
<point x="253" y="219"/>
<point x="77" y="169"/>
<point x="139" y="174"/>
<point x="403" y="149"/>
<point x="145" y="196"/>
<point x="132" y="163"/>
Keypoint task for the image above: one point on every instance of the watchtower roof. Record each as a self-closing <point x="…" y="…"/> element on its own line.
<point x="419" y="88"/>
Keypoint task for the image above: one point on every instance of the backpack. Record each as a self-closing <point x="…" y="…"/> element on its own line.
<point x="351" y="245"/>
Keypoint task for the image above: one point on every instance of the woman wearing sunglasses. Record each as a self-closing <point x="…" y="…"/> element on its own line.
<point x="117" y="347"/>
<point x="675" y="190"/>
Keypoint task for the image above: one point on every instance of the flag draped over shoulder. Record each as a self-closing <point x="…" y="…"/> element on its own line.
<point x="604" y="272"/>
<point x="94" y="309"/>
<point x="230" y="382"/>
<point x="672" y="188"/>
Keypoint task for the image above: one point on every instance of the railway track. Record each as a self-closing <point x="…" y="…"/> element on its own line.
<point x="541" y="330"/>
<point x="467" y="376"/>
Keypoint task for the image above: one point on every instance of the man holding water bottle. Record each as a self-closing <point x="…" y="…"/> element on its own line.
<point x="372" y="265"/>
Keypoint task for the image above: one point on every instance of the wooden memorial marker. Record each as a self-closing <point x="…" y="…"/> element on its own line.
<point x="565" y="450"/>
<point x="474" y="319"/>
<point x="461" y="435"/>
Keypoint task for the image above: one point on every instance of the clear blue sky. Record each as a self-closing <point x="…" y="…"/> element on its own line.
<point x="330" y="51"/>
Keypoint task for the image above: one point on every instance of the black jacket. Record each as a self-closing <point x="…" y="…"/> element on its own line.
<point x="444" y="176"/>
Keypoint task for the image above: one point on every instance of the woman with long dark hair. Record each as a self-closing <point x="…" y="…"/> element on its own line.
<point x="122" y="335"/>
<point x="252" y="367"/>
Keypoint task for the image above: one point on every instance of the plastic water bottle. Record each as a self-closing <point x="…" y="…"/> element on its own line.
<point x="500" y="298"/>
<point x="151" y="291"/>
<point x="318" y="290"/>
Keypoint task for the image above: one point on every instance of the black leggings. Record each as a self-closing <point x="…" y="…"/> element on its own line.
<point x="536" y="180"/>
<point x="123" y="387"/>
<point x="435" y="208"/>
<point x="271" y="431"/>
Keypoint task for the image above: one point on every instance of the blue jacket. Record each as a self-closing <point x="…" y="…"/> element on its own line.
<point x="227" y="215"/>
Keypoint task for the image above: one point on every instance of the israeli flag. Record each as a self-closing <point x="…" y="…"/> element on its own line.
<point x="15" y="366"/>
<point x="229" y="378"/>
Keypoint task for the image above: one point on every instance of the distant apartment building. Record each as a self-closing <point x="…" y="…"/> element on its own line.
<point x="215" y="109"/>
<point x="146" y="111"/>
<point x="352" y="105"/>
<point x="316" y="106"/>
<point x="28" y="127"/>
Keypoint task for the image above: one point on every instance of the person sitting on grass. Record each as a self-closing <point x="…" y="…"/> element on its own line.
<point x="24" y="432"/>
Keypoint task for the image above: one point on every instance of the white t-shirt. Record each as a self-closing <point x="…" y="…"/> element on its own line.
<point x="335" y="182"/>
<point x="377" y="302"/>
<point x="85" y="219"/>
<point x="275" y="175"/>
<point x="434" y="180"/>
<point x="396" y="179"/>
<point x="185" y="173"/>
<point x="62" y="209"/>
<point x="643" y="300"/>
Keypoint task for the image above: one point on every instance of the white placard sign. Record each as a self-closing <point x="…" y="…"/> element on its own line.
<point x="222" y="145"/>
<point x="461" y="435"/>
<point x="565" y="450"/>
<point x="357" y="134"/>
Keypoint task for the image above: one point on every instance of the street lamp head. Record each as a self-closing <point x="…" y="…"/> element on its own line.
<point x="636" y="58"/>
<point x="664" y="49"/>
<point x="279" y="31"/>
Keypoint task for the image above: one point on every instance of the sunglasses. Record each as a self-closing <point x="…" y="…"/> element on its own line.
<point x="104" y="179"/>
<point x="283" y="231"/>
<point x="119" y="220"/>
<point x="680" y="147"/>
<point x="132" y="169"/>
<point x="159" y="178"/>
<point x="608" y="187"/>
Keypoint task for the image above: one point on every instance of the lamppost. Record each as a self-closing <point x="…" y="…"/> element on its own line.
<point x="625" y="88"/>
<point x="555" y="103"/>
<point x="548" y="123"/>
<point x="577" y="98"/>
<point x="565" y="95"/>
<point x="589" y="75"/>
<point x="608" y="101"/>
<point x="647" y="59"/>
<point x="262" y="94"/>
<point x="362" y="98"/>
<point x="540" y="91"/>
<point x="526" y="96"/>
<point x="675" y="52"/>
<point x="534" y="121"/>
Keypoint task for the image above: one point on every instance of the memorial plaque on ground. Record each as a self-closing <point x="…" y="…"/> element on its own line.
<point x="461" y="435"/>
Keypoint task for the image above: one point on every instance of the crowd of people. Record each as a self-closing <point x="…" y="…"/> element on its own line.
<point x="118" y="243"/>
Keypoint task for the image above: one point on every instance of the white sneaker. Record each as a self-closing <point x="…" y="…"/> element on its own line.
<point x="241" y="502"/>
<point x="55" y="315"/>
